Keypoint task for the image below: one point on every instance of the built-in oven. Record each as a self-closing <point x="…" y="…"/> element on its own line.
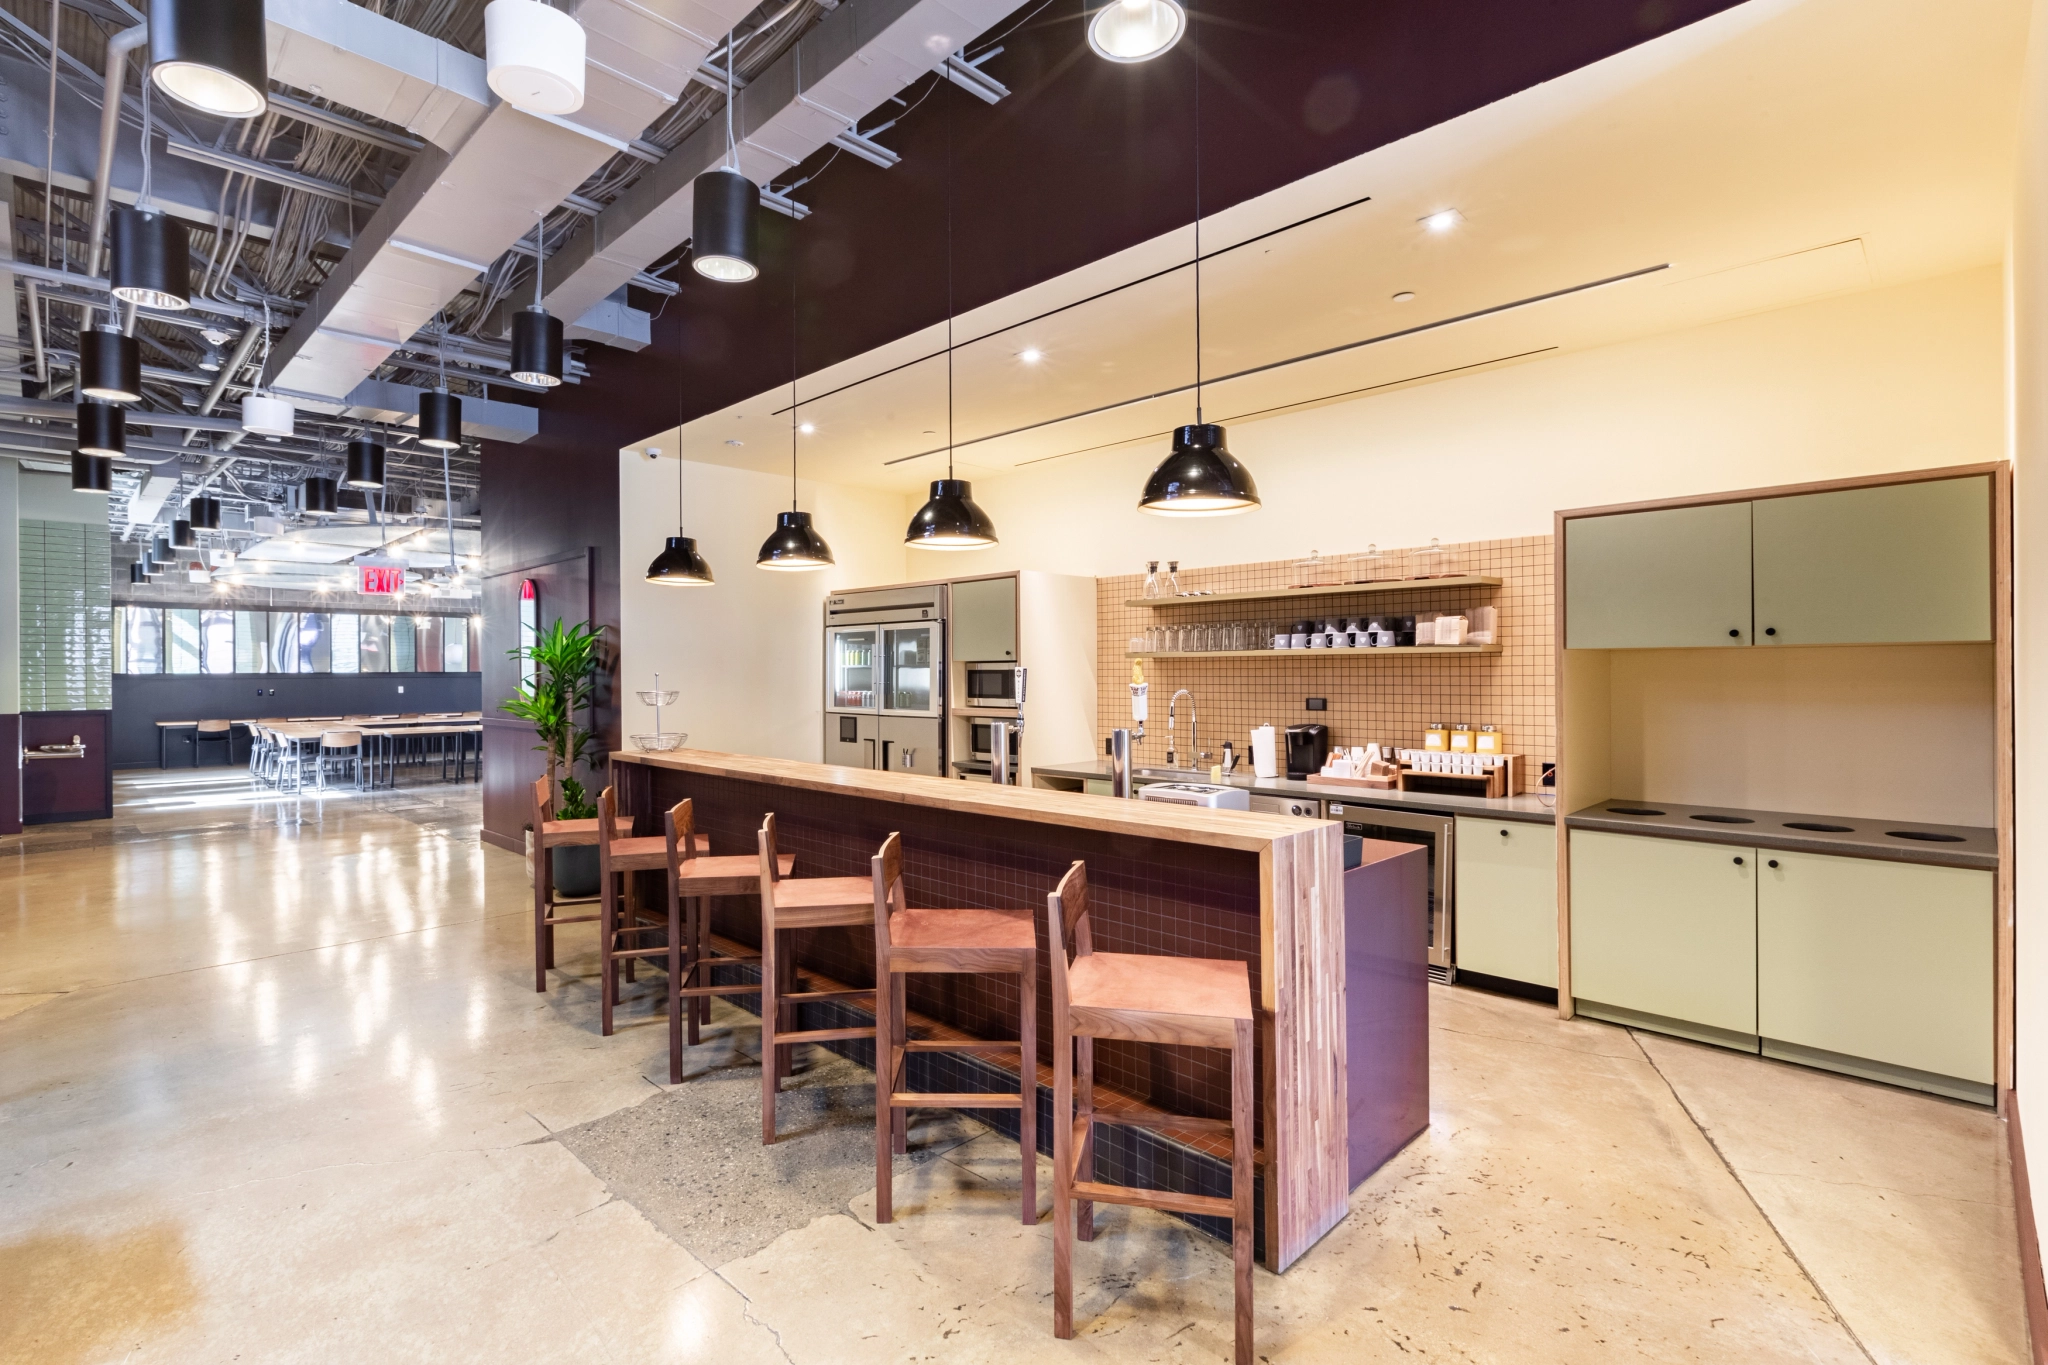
<point x="992" y="685"/>
<point x="1433" y="831"/>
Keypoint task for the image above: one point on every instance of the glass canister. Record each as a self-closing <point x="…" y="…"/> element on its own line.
<point x="1308" y="571"/>
<point x="1434" y="561"/>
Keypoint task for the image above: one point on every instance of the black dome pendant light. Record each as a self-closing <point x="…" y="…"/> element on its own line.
<point x="109" y="365"/>
<point x="440" y="410"/>
<point x="679" y="565"/>
<point x="365" y="464"/>
<point x="102" y="429"/>
<point x="536" y="334"/>
<point x="152" y="259"/>
<point x="724" y="207"/>
<point x="794" y="546"/>
<point x="950" y="519"/>
<point x="91" y="473"/>
<point x="210" y="54"/>
<point x="1199" y="478"/>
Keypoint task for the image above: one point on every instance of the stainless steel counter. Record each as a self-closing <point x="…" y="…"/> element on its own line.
<point x="1901" y="841"/>
<point x="1526" y="807"/>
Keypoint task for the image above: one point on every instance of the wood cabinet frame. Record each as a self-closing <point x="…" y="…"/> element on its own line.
<point x="2000" y="473"/>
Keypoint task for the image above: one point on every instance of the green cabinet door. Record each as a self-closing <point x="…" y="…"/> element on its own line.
<point x="1669" y="579"/>
<point x="1665" y="928"/>
<point x="1886" y="961"/>
<point x="1902" y="563"/>
<point x="1506" y="922"/>
<point x="985" y="620"/>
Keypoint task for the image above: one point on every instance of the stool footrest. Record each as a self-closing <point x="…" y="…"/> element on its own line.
<point x="964" y="1045"/>
<point x="641" y="952"/>
<point x="918" y="1099"/>
<point x="823" y="1035"/>
<point x="573" y="919"/>
<point x="574" y="900"/>
<point x="1166" y="1201"/>
<point x="1176" y="1122"/>
<point x="719" y="990"/>
<point x="796" y="997"/>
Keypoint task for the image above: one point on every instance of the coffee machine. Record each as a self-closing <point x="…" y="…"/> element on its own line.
<point x="1308" y="748"/>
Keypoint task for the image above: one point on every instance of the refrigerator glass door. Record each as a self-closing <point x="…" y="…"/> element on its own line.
<point x="1433" y="832"/>
<point x="853" y="671"/>
<point x="910" y="682"/>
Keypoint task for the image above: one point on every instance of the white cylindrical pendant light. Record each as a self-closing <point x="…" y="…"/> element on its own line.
<point x="265" y="414"/>
<point x="535" y="56"/>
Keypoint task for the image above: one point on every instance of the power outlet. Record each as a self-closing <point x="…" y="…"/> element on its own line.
<point x="1318" y="703"/>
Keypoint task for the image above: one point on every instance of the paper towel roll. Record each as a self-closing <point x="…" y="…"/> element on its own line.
<point x="1263" y="764"/>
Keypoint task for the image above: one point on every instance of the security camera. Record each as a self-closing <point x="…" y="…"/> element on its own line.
<point x="653" y="452"/>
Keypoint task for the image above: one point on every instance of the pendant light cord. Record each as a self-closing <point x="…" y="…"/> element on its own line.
<point x="792" y="382"/>
<point x="732" y="91"/>
<point x="50" y="160"/>
<point x="1195" y="48"/>
<point x="540" y="258"/>
<point x="951" y="118"/>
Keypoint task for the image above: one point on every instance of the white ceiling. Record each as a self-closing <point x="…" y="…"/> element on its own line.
<point x="1778" y="152"/>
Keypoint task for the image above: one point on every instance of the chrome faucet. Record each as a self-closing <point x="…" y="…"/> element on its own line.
<point x="1194" y="733"/>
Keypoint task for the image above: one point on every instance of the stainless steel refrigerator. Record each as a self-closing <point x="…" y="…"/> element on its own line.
<point x="885" y="696"/>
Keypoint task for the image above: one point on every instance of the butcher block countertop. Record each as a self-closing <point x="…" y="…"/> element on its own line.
<point x="1252" y="832"/>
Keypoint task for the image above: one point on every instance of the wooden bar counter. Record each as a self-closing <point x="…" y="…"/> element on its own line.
<point x="1268" y="890"/>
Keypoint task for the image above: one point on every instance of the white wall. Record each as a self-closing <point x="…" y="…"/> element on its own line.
<point x="1902" y="378"/>
<point x="748" y="653"/>
<point x="2029" y="285"/>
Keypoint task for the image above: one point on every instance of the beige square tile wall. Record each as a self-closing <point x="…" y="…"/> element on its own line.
<point x="1374" y="695"/>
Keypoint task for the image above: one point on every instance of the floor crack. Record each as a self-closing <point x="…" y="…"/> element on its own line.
<point x="747" y="1312"/>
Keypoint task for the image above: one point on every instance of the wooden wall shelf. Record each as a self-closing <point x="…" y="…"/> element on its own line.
<point x="1337" y="590"/>
<point x="1396" y="651"/>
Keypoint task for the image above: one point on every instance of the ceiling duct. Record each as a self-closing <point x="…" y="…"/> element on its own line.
<point x="463" y="202"/>
<point x="855" y="59"/>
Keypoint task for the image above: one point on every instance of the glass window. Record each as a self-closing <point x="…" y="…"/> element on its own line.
<point x="142" y="639"/>
<point x="374" y="647"/>
<point x="217" y="641"/>
<point x="455" y="644"/>
<point x="284" y="642"/>
<point x="345" y="636"/>
<point x="183" y="627"/>
<point x="426" y="647"/>
<point x="402" y="642"/>
<point x="314" y="654"/>
<point x="529" y="631"/>
<point x="252" y="641"/>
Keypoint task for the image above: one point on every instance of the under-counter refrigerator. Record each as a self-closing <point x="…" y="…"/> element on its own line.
<point x="885" y="697"/>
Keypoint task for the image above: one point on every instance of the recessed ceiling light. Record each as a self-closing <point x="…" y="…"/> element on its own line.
<point x="1031" y="355"/>
<point x="1405" y="296"/>
<point x="807" y="428"/>
<point x="1443" y="220"/>
<point x="735" y="443"/>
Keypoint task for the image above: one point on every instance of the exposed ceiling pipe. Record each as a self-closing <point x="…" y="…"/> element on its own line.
<point x="118" y="48"/>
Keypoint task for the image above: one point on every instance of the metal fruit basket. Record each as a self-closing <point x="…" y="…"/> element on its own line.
<point x="659" y="744"/>
<point x="658" y="697"/>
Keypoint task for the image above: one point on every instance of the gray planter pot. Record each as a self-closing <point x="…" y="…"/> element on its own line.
<point x="576" y="871"/>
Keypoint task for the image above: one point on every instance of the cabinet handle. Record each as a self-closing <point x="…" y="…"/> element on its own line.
<point x="1738" y="862"/>
<point x="1774" y="862"/>
<point x="1770" y="630"/>
<point x="1735" y="634"/>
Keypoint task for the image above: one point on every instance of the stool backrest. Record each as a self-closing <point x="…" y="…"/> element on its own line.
<point x="213" y="727"/>
<point x="1066" y="920"/>
<point x="679" y="826"/>
<point x="607" y="826"/>
<point x="770" y="873"/>
<point x="889" y="897"/>
<point x="543" y="805"/>
<point x="341" y="739"/>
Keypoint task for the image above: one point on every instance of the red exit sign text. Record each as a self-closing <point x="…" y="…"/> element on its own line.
<point x="383" y="580"/>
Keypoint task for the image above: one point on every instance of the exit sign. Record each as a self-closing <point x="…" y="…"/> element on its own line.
<point x="383" y="580"/>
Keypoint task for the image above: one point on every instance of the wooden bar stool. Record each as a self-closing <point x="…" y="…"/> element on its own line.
<point x="787" y="905"/>
<point x="1140" y="998"/>
<point x="980" y="941"/>
<point x="620" y="926"/>
<point x="692" y="882"/>
<point x="550" y="834"/>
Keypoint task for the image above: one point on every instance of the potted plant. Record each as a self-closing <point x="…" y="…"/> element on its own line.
<point x="566" y="661"/>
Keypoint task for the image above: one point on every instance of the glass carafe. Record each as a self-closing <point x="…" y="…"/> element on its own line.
<point x="1151" y="579"/>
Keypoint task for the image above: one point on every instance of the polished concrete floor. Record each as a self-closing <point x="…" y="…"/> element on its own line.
<point x="275" y="1086"/>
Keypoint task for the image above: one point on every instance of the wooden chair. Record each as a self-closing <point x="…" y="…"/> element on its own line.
<point x="788" y="905"/>
<point x="219" y="732"/>
<point x="693" y="880"/>
<point x="981" y="941"/>
<point x="1167" y="1001"/>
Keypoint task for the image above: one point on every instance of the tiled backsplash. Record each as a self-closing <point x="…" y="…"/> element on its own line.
<point x="1384" y="697"/>
<point x="67" y="617"/>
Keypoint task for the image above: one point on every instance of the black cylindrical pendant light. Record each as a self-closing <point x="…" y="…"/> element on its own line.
<point x="160" y="551"/>
<point x="210" y="54"/>
<point x="723" y="238"/>
<point x="109" y="365"/>
<point x="365" y="464"/>
<point x="102" y="429"/>
<point x="794" y="545"/>
<point x="91" y="473"/>
<point x="152" y="260"/>
<point x="182" y="537"/>
<point x="440" y="419"/>
<point x="537" y="347"/>
<point x="204" y="514"/>
<point x="1199" y="478"/>
<point x="679" y="565"/>
<point x="950" y="520"/>
<point x="137" y="574"/>
<point x="320" y="497"/>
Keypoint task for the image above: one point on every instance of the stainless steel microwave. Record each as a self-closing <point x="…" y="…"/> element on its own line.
<point x="992" y="685"/>
<point x="981" y="741"/>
